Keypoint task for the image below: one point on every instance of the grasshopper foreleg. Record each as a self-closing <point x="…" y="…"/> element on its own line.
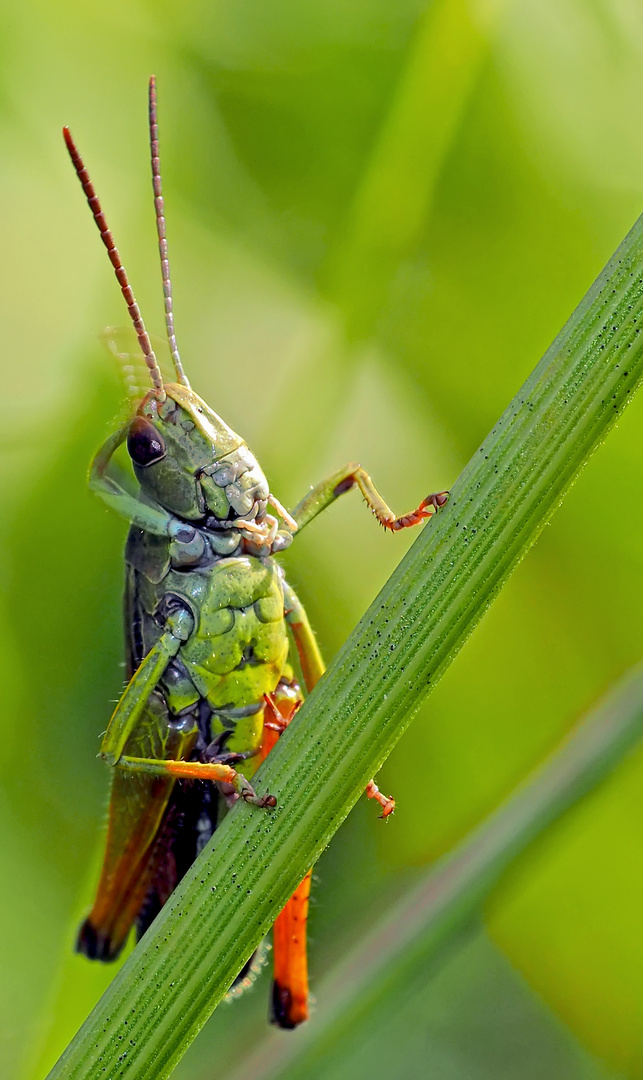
<point x="155" y="520"/>
<point x="353" y="475"/>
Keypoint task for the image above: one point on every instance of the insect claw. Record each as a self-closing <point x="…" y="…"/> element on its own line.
<point x="249" y="795"/>
<point x="266" y="802"/>
<point x="385" y="801"/>
<point x="388" y="808"/>
<point x="437" y="500"/>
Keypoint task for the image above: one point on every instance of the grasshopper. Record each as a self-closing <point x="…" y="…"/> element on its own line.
<point x="212" y="630"/>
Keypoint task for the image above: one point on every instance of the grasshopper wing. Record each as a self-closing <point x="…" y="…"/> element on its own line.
<point x="136" y="850"/>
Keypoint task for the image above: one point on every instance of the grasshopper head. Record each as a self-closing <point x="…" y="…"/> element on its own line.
<point x="187" y="459"/>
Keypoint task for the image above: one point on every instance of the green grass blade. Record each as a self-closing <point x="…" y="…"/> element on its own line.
<point x="510" y="488"/>
<point x="408" y="938"/>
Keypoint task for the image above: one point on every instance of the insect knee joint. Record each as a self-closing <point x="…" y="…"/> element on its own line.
<point x="174" y="615"/>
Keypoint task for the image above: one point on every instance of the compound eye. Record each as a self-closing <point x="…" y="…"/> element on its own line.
<point x="144" y="443"/>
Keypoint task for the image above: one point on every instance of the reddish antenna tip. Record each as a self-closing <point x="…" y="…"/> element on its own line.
<point x="74" y="154"/>
<point x="119" y="269"/>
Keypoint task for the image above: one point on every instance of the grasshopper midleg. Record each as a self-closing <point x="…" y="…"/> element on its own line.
<point x="212" y="629"/>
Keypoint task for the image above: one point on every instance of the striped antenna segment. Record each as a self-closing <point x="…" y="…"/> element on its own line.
<point x="160" y="228"/>
<point x="119" y="269"/>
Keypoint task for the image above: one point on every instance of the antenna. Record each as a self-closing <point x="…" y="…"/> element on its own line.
<point x="119" y="269"/>
<point x="160" y="228"/>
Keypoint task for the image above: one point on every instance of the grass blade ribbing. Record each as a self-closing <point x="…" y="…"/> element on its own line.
<point x="402" y="646"/>
<point x="407" y="939"/>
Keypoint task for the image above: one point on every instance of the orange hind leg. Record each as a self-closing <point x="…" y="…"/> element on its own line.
<point x="290" y="960"/>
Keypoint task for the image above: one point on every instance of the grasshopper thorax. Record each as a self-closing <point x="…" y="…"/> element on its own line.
<point x="190" y="462"/>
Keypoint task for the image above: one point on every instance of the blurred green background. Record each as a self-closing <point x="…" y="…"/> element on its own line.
<point x="379" y="214"/>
